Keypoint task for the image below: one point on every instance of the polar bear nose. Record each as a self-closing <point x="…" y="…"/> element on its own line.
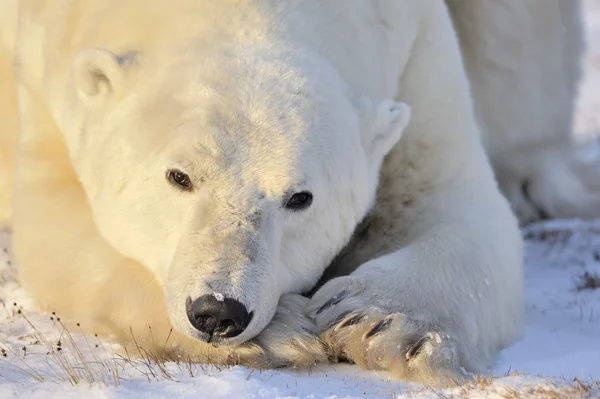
<point x="218" y="316"/>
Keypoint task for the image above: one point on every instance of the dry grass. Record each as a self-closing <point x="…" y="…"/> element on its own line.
<point x="589" y="281"/>
<point x="556" y="389"/>
<point x="542" y="389"/>
<point x="78" y="358"/>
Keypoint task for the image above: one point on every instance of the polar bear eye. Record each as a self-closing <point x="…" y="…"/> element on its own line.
<point x="179" y="179"/>
<point x="299" y="201"/>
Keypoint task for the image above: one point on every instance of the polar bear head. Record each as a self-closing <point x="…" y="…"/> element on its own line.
<point x="233" y="176"/>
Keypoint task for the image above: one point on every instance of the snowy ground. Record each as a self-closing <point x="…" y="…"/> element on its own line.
<point x="562" y="339"/>
<point x="558" y="355"/>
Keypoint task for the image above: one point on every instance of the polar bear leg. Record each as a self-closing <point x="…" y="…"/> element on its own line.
<point x="451" y="296"/>
<point x="523" y="62"/>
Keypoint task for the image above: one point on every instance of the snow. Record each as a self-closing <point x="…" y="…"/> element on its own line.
<point x="561" y="340"/>
<point x="560" y="345"/>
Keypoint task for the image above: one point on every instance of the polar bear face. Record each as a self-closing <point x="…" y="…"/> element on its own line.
<point x="232" y="178"/>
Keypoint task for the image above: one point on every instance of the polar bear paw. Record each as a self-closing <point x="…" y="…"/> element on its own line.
<point x="357" y="331"/>
<point x="559" y="183"/>
<point x="290" y="339"/>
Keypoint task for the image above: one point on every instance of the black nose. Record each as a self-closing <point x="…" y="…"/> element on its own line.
<point x="218" y="316"/>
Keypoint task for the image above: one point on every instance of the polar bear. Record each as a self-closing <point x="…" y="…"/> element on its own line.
<point x="524" y="69"/>
<point x="224" y="180"/>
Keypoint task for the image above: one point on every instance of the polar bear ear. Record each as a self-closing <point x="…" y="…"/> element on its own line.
<point x="383" y="126"/>
<point x="97" y="73"/>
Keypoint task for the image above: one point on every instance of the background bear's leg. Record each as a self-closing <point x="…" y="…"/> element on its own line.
<point x="523" y="61"/>
<point x="8" y="133"/>
<point x="67" y="267"/>
<point x="440" y="282"/>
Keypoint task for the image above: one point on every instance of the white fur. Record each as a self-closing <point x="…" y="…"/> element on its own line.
<point x="523" y="61"/>
<point x="256" y="100"/>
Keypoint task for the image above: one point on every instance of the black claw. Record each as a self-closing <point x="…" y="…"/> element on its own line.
<point x="382" y="325"/>
<point x="344" y="358"/>
<point x="542" y="214"/>
<point x="338" y="319"/>
<point x="416" y="348"/>
<point x="350" y="321"/>
<point x="333" y="301"/>
<point x="308" y="331"/>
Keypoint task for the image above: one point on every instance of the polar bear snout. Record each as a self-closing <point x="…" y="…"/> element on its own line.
<point x="217" y="317"/>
